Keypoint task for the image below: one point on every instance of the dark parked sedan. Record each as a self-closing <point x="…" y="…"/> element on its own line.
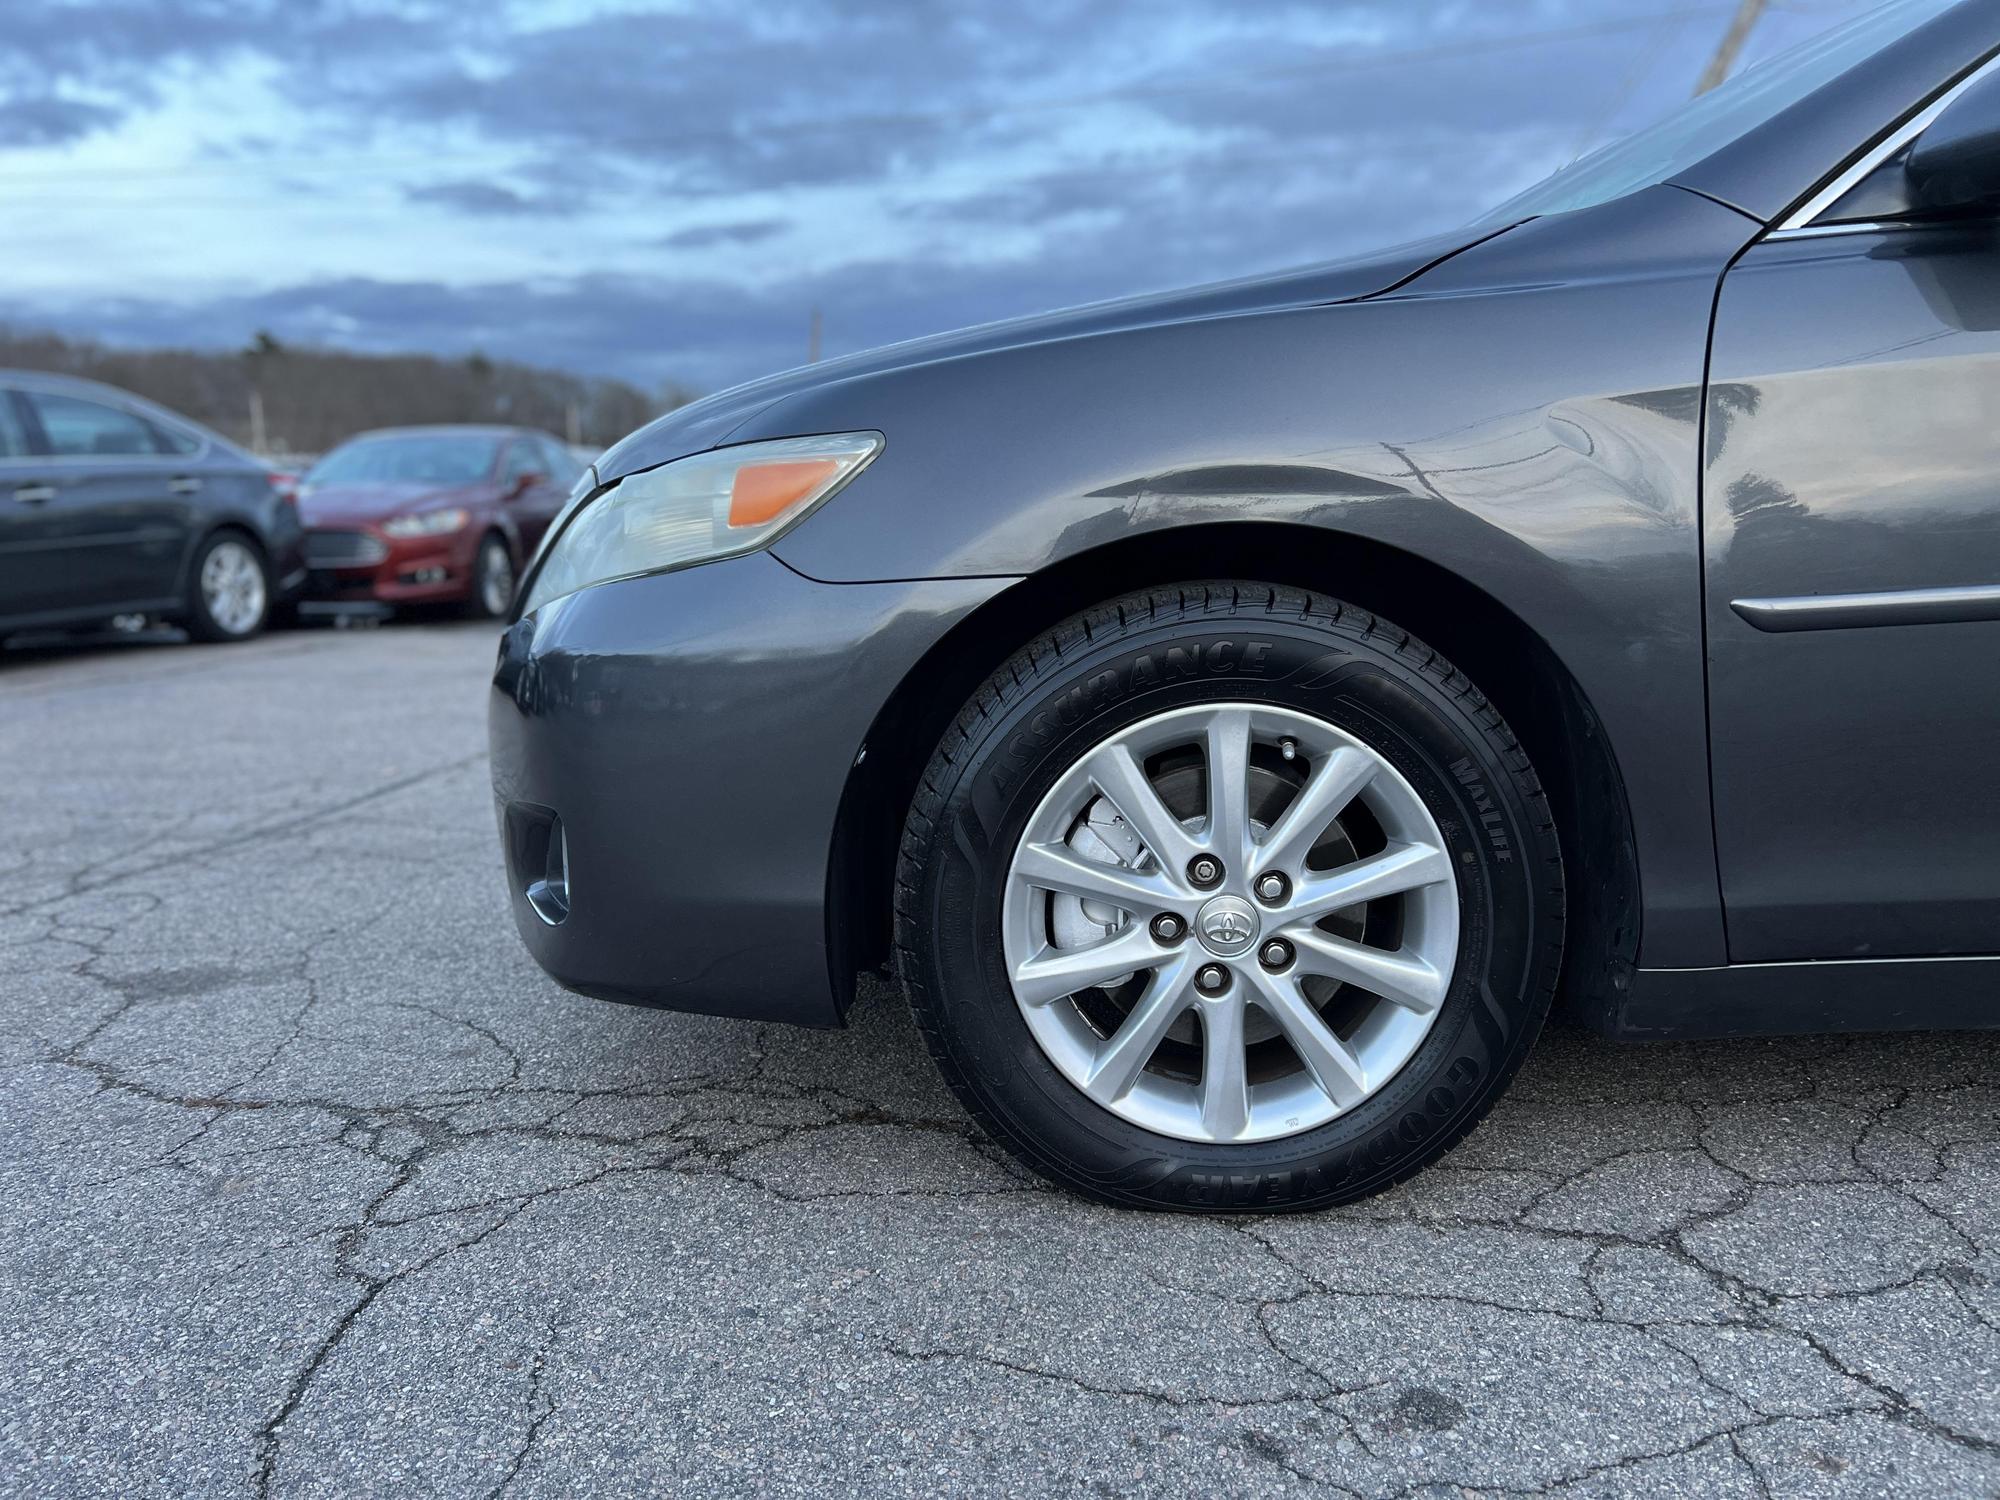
<point x="1239" y="714"/>
<point x="431" y="515"/>
<point x="110" y="505"/>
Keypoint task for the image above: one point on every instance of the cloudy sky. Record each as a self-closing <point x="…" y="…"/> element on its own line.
<point x="666" y="192"/>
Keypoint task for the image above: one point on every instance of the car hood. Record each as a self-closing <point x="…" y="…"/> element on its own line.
<point x="332" y="504"/>
<point x="709" y="421"/>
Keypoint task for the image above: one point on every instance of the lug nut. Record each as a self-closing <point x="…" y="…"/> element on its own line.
<point x="1271" y="888"/>
<point x="1205" y="870"/>
<point x="1168" y="928"/>
<point x="1276" y="954"/>
<point x="1211" y="979"/>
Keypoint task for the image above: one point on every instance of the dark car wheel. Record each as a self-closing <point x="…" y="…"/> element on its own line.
<point x="492" y="579"/>
<point x="1229" y="897"/>
<point x="229" y="592"/>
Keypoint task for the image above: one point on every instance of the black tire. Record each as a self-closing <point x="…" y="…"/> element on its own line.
<point x="1088" y="678"/>
<point x="202" y="620"/>
<point x="492" y="567"/>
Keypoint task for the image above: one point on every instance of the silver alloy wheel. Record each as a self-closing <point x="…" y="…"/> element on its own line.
<point x="232" y="587"/>
<point x="496" y="577"/>
<point x="1105" y="843"/>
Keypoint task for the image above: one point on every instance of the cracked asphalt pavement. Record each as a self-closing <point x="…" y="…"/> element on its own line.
<point x="313" y="1185"/>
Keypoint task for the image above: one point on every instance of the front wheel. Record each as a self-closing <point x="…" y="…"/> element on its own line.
<point x="492" y="579"/>
<point x="231" y="593"/>
<point x="1229" y="897"/>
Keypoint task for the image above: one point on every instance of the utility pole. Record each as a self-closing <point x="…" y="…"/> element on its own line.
<point x="812" y="340"/>
<point x="574" y="429"/>
<point x="1740" y="27"/>
<point x="256" y="420"/>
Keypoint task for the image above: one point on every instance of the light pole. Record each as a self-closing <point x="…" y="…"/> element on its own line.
<point x="1740" y="27"/>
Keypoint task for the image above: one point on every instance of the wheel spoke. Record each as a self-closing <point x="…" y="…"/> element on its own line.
<point x="1404" y="978"/>
<point x="1333" y="784"/>
<point x="232" y="587"/>
<point x="1054" y="867"/>
<point x="1057" y="972"/>
<point x="1225" y="1087"/>
<point x="1227" y="748"/>
<point x="1330" y="1061"/>
<point x="1397" y="869"/>
<point x="1119" y="776"/>
<point x="1119" y="1062"/>
<point x="1065" y="888"/>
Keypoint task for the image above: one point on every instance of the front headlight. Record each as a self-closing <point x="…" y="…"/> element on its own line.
<point x="426" y="523"/>
<point x="696" y="509"/>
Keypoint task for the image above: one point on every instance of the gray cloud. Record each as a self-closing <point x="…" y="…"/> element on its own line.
<point x="704" y="236"/>
<point x="122" y="48"/>
<point x="1015" y="157"/>
<point x="717" y="100"/>
<point x="472" y="196"/>
<point x="49" y="121"/>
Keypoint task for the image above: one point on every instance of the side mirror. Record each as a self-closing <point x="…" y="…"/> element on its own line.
<point x="525" y="482"/>
<point x="1954" y="166"/>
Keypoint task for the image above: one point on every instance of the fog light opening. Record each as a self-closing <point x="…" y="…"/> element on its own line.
<point x="548" y="893"/>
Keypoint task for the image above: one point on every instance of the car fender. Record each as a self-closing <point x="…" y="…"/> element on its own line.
<point x="1526" y="415"/>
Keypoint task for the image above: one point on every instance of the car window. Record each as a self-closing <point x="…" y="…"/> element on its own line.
<point x="90" y="429"/>
<point x="176" y="439"/>
<point x="1710" y="121"/>
<point x="407" y="458"/>
<point x="522" y="458"/>
<point x="563" y="466"/>
<point x="13" y="436"/>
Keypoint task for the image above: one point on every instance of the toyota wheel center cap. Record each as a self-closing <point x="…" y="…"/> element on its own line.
<point x="1227" y="926"/>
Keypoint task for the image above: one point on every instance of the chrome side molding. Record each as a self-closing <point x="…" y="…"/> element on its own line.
<point x="1848" y="226"/>
<point x="1853" y="611"/>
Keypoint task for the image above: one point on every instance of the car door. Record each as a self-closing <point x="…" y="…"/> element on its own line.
<point x="1851" y="512"/>
<point x="29" y="531"/>
<point x="113" y="506"/>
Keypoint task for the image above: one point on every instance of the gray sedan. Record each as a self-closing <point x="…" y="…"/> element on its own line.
<point x="111" y="505"/>
<point x="1239" y="715"/>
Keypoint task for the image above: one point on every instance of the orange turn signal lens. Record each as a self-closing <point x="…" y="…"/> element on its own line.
<point x="763" y="492"/>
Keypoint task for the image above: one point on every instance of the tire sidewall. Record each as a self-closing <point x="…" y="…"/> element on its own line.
<point x="206" y="626"/>
<point x="482" y="565"/>
<point x="1364" y="686"/>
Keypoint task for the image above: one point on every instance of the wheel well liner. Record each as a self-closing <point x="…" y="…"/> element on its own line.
<point x="1510" y="663"/>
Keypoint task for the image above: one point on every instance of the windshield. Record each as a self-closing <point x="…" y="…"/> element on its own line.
<point x="1706" y="124"/>
<point x="417" y="458"/>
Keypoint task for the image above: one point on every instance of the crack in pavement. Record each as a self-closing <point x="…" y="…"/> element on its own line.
<point x="274" y="1181"/>
<point x="540" y="1411"/>
<point x="198" y="854"/>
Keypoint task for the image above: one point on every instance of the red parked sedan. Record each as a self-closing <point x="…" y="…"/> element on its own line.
<point x="430" y="515"/>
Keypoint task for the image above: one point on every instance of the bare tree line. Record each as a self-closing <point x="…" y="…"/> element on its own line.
<point x="280" y="398"/>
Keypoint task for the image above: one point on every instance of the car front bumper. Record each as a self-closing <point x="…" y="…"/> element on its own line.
<point x="669" y="757"/>
<point x="394" y="570"/>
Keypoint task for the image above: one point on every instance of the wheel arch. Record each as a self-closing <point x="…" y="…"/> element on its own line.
<point x="230" y="523"/>
<point x="1510" y="662"/>
<point x="510" y="537"/>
